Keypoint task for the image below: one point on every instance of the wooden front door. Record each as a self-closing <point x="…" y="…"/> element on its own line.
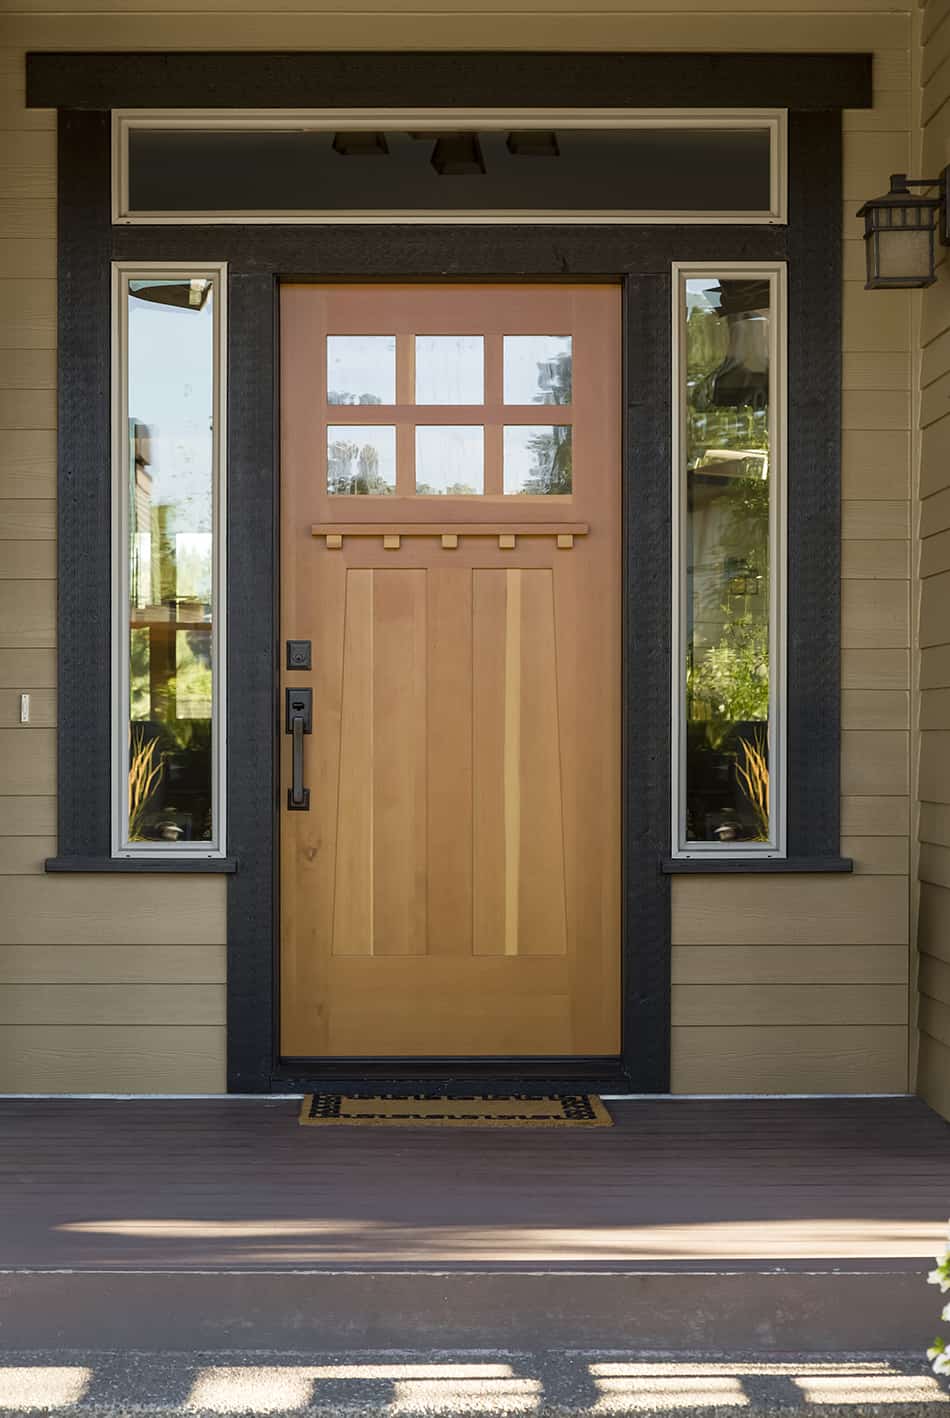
<point x="451" y="548"/>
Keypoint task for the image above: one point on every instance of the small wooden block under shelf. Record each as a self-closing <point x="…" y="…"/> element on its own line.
<point x="506" y="541"/>
<point x="334" y="541"/>
<point x="450" y="540"/>
<point x="391" y="541"/>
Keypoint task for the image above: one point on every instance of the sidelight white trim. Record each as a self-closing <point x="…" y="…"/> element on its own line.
<point x="122" y="273"/>
<point x="776" y="274"/>
<point x="774" y="120"/>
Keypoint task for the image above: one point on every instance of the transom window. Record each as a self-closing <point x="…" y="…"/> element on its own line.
<point x="343" y="166"/>
<point x="458" y="415"/>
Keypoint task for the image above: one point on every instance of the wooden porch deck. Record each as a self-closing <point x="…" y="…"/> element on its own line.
<point x="227" y="1207"/>
<point x="217" y="1184"/>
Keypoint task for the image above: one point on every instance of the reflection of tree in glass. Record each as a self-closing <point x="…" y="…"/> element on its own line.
<point x="554" y="380"/>
<point x="552" y="462"/>
<point x="337" y="396"/>
<point x="345" y="478"/>
<point x="453" y="490"/>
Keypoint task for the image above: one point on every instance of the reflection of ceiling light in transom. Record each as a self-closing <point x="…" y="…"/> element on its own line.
<point x="458" y="155"/>
<point x="360" y="145"/>
<point x="533" y="143"/>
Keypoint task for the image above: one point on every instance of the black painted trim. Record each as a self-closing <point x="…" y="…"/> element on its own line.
<point x="253" y="678"/>
<point x="359" y="79"/>
<point x="84" y="488"/>
<point x="774" y="866"/>
<point x="647" y="709"/>
<point x="814" y="486"/>
<point x="143" y="866"/>
<point x="427" y="253"/>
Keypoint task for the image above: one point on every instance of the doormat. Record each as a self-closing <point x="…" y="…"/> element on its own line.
<point x="513" y="1110"/>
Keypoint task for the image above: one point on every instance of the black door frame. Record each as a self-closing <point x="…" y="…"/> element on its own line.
<point x="258" y="258"/>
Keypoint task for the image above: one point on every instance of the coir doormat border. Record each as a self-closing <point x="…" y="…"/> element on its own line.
<point x="393" y="1110"/>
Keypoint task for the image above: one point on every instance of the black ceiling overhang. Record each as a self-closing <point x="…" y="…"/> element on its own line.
<point x="434" y="79"/>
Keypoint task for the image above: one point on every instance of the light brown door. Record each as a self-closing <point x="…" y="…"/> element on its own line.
<point x="450" y="546"/>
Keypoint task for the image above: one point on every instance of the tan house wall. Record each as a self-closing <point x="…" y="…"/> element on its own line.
<point x="781" y="984"/>
<point x="934" y="552"/>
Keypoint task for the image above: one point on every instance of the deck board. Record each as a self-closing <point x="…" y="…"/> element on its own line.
<point x="235" y="1184"/>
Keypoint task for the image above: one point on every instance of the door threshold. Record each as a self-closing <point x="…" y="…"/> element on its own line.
<point x="448" y="1077"/>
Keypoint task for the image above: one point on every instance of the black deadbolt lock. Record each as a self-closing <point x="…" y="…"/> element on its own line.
<point x="298" y="654"/>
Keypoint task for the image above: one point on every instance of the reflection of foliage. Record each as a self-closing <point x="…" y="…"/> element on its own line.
<point x="336" y="397"/>
<point x="139" y="673"/>
<point x="554" y="380"/>
<point x="552" y="468"/>
<point x="453" y="490"/>
<point x="193" y="682"/>
<point x="730" y="683"/>
<point x="342" y="478"/>
<point x="144" y="776"/>
<point x="753" y="776"/>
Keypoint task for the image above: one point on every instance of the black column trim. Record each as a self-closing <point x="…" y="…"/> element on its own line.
<point x="253" y="677"/>
<point x="647" y="584"/>
<point x="84" y="487"/>
<point x="813" y="773"/>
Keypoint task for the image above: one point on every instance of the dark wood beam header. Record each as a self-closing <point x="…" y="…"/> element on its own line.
<point x="437" y="79"/>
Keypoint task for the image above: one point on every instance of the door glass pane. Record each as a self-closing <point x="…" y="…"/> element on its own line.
<point x="538" y="369"/>
<point x="450" y="369"/>
<point x="450" y="459"/>
<point x="170" y="530"/>
<point x="728" y="564"/>
<point x="361" y="369"/>
<point x="361" y="460"/>
<point x="538" y="459"/>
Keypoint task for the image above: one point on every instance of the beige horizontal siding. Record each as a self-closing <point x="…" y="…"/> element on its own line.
<point x="811" y="970"/>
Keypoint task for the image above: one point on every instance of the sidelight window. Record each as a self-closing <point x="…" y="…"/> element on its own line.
<point x="729" y="537"/>
<point x="168" y="513"/>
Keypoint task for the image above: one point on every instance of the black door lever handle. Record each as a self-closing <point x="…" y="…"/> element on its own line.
<point x="298" y="721"/>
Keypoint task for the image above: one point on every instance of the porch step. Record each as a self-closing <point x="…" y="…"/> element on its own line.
<point x="880" y="1307"/>
<point x="490" y="1383"/>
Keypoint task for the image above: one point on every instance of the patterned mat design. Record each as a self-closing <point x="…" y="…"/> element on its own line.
<point x="477" y="1111"/>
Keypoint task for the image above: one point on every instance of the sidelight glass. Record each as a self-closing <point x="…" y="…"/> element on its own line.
<point x="538" y="459"/>
<point x="728" y="574"/>
<point x="170" y="512"/>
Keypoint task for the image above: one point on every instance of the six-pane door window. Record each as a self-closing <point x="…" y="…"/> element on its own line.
<point x="487" y="415"/>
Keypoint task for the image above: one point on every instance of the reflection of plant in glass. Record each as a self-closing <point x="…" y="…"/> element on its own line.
<point x="193" y="675"/>
<point x="729" y="683"/>
<point x="342" y="478"/>
<point x="144" y="777"/>
<point x="753" y="776"/>
<point x="140" y="689"/>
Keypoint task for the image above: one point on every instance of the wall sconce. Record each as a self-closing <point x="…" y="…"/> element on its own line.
<point x="899" y="233"/>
